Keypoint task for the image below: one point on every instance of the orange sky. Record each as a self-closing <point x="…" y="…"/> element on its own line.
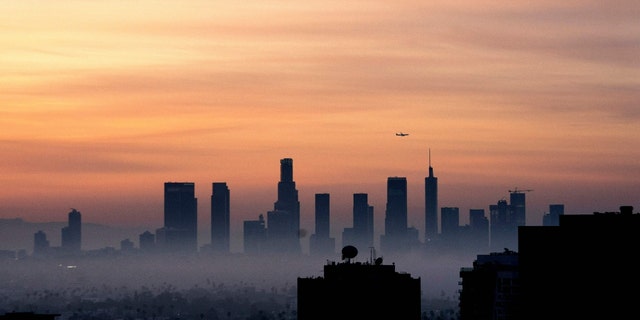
<point x="101" y="102"/>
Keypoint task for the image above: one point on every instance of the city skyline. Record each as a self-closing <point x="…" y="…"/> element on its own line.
<point x="103" y="102"/>
<point x="182" y="228"/>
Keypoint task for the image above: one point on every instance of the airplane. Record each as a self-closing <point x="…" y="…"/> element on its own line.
<point x="401" y="134"/>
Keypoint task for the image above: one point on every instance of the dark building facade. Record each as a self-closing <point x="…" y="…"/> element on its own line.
<point x="581" y="269"/>
<point x="254" y="236"/>
<point x="361" y="234"/>
<point x="71" y="237"/>
<point x="283" y="223"/>
<point x="478" y="231"/>
<point x="552" y="218"/>
<point x="503" y="229"/>
<point x="40" y="243"/>
<point x="180" y="232"/>
<point x="584" y="268"/>
<point x="395" y="238"/>
<point x="430" y="206"/>
<point x="127" y="245"/>
<point x="450" y="228"/>
<point x="220" y="217"/>
<point x="355" y="290"/>
<point x="147" y="241"/>
<point x="491" y="288"/>
<point x="29" y="316"/>
<point x="321" y="243"/>
<point x="517" y="199"/>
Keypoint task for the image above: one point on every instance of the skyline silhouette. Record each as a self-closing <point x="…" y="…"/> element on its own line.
<point x="490" y="229"/>
<point x="399" y="114"/>
<point x="537" y="96"/>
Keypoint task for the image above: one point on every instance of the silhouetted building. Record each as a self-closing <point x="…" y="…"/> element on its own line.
<point x="172" y="240"/>
<point x="180" y="230"/>
<point x="517" y="199"/>
<point x="450" y="226"/>
<point x="491" y="288"/>
<point x="220" y="217"/>
<point x="40" y="243"/>
<point x="29" y="316"/>
<point x="361" y="235"/>
<point x="321" y="243"/>
<point x="72" y="234"/>
<point x="127" y="245"/>
<point x="355" y="290"/>
<point x="8" y="254"/>
<point x="552" y="218"/>
<point x="395" y="238"/>
<point x="503" y="229"/>
<point x="581" y="269"/>
<point x="147" y="241"/>
<point x="283" y="223"/>
<point x="478" y="231"/>
<point x="255" y="235"/>
<point x="430" y="205"/>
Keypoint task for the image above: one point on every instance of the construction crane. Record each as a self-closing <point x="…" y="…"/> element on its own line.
<point x="519" y="191"/>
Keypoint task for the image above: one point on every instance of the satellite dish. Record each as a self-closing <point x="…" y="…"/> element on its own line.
<point x="378" y="261"/>
<point x="349" y="252"/>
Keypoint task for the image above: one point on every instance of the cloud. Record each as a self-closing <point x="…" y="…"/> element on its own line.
<point x="64" y="157"/>
<point x="222" y="89"/>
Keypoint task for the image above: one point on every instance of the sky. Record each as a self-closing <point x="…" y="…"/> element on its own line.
<point x="101" y="102"/>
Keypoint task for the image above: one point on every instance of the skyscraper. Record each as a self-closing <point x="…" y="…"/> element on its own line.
<point x="283" y="223"/>
<point x="503" y="231"/>
<point x="430" y="205"/>
<point x="479" y="231"/>
<point x="72" y="234"/>
<point x="180" y="230"/>
<point x="322" y="214"/>
<point x="255" y="235"/>
<point x="147" y="241"/>
<point x="396" y="213"/>
<point x="40" y="243"/>
<point x="361" y="234"/>
<point x="394" y="239"/>
<point x="552" y="218"/>
<point x="220" y="217"/>
<point x="518" y="205"/>
<point x="321" y="242"/>
<point x="450" y="225"/>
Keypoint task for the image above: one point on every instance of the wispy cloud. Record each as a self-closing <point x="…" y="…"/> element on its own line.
<point x="201" y="88"/>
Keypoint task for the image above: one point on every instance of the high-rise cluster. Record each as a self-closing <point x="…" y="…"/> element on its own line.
<point x="279" y="231"/>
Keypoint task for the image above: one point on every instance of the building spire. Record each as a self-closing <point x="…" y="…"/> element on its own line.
<point x="430" y="168"/>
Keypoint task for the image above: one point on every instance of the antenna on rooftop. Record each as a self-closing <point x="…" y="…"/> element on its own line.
<point x="349" y="252"/>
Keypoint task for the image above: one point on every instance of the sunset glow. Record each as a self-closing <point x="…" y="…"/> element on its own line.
<point x="104" y="101"/>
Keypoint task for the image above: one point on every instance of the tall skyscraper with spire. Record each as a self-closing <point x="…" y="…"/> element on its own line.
<point x="220" y="217"/>
<point x="430" y="205"/>
<point x="283" y="223"/>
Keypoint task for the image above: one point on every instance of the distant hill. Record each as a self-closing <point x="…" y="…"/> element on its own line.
<point x="17" y="234"/>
